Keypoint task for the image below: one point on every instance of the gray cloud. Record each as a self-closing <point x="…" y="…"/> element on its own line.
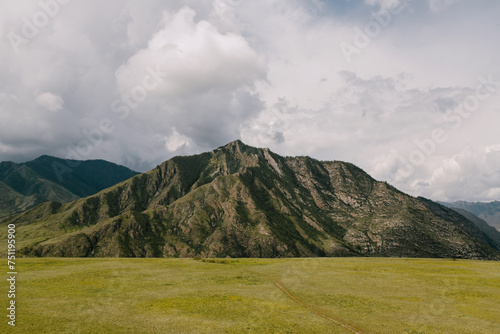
<point x="137" y="83"/>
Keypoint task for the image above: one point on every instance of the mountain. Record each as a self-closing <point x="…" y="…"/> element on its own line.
<point x="489" y="212"/>
<point x="47" y="178"/>
<point x="9" y="199"/>
<point x="490" y="231"/>
<point x="82" y="178"/>
<point x="241" y="201"/>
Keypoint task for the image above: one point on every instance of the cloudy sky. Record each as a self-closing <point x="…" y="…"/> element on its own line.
<point x="407" y="90"/>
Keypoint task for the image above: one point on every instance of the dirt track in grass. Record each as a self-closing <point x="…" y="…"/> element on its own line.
<point x="336" y="321"/>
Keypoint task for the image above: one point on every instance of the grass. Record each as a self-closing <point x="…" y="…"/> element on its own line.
<point x="217" y="296"/>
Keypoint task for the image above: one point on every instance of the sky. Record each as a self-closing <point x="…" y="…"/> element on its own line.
<point x="408" y="90"/>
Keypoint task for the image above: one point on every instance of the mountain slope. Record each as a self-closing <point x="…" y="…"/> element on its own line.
<point x="472" y="225"/>
<point x="490" y="231"/>
<point x="9" y="199"/>
<point x="489" y="212"/>
<point x="241" y="201"/>
<point x="51" y="179"/>
<point x="31" y="188"/>
<point x="82" y="178"/>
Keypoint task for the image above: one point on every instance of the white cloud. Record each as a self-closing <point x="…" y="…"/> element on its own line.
<point x="195" y="56"/>
<point x="176" y="141"/>
<point x="206" y="87"/>
<point x="384" y="4"/>
<point x="438" y="5"/>
<point x="473" y="173"/>
<point x="50" y="101"/>
<point x="375" y="115"/>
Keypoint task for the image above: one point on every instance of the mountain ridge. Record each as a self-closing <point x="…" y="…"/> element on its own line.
<point x="492" y="232"/>
<point x="241" y="201"/>
<point x="487" y="211"/>
<point x="53" y="179"/>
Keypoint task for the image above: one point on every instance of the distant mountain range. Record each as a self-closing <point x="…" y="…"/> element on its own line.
<point x="489" y="212"/>
<point x="23" y="186"/>
<point x="241" y="201"/>
<point x="492" y="232"/>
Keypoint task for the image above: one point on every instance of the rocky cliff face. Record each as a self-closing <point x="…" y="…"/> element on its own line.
<point x="241" y="201"/>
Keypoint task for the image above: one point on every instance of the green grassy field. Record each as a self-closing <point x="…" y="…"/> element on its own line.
<point x="373" y="295"/>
